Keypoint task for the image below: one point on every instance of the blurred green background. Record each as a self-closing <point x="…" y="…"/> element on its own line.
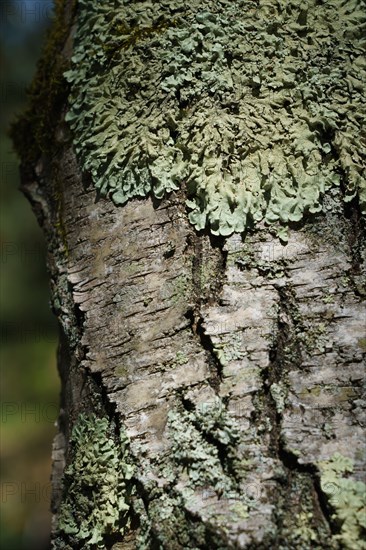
<point x="29" y="381"/>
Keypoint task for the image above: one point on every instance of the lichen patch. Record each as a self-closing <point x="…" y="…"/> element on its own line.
<point x="255" y="109"/>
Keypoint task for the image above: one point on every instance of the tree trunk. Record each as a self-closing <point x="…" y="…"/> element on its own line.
<point x="211" y="385"/>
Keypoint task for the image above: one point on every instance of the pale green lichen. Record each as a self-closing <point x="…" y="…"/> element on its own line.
<point x="97" y="485"/>
<point x="279" y="394"/>
<point x="347" y="498"/>
<point x="314" y="335"/>
<point x="197" y="457"/>
<point x="181" y="358"/>
<point x="302" y="532"/>
<point x="255" y="108"/>
<point x="168" y="525"/>
<point x="230" y="348"/>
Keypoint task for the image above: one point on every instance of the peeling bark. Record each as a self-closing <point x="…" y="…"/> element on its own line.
<point x="234" y="366"/>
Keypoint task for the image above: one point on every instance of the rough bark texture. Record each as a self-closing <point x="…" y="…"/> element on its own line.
<point x="229" y="370"/>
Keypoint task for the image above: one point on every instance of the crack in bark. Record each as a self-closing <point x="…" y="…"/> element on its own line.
<point x="211" y="295"/>
<point x="214" y="364"/>
<point x="284" y="355"/>
<point x="292" y="464"/>
<point x="226" y="462"/>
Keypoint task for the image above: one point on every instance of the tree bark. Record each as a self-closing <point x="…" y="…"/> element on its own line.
<point x="211" y="387"/>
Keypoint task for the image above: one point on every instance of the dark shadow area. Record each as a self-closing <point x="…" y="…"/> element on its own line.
<point x="29" y="380"/>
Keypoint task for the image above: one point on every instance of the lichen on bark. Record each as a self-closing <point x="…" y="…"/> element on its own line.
<point x="97" y="485"/>
<point x="234" y="367"/>
<point x="243" y="104"/>
<point x="347" y="497"/>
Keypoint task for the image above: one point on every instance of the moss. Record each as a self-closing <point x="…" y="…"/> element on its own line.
<point x="223" y="102"/>
<point x="33" y="134"/>
<point x="97" y="485"/>
<point x="208" y="274"/>
<point x="301" y="524"/>
<point x="59" y="223"/>
<point x="347" y="498"/>
<point x="181" y="287"/>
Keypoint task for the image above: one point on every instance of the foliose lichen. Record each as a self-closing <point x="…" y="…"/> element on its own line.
<point x="197" y="457"/>
<point x="254" y="108"/>
<point x="200" y="465"/>
<point x="97" y="485"/>
<point x="347" y="498"/>
<point x="168" y="526"/>
<point x="229" y="348"/>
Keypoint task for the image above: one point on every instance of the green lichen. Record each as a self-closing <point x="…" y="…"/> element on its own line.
<point x="177" y="289"/>
<point x="200" y="465"/>
<point x="314" y="336"/>
<point x="230" y="348"/>
<point x="254" y="108"/>
<point x="302" y="527"/>
<point x="97" y="485"/>
<point x="279" y="394"/>
<point x="196" y="457"/>
<point x="168" y="525"/>
<point x="181" y="358"/>
<point x="347" y="498"/>
<point x="303" y="533"/>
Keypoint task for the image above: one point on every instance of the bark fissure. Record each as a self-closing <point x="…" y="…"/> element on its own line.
<point x="214" y="364"/>
<point x="204" y="250"/>
<point x="226" y="461"/>
<point x="285" y="355"/>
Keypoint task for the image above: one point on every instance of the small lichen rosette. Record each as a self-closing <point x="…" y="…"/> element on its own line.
<point x="255" y="108"/>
